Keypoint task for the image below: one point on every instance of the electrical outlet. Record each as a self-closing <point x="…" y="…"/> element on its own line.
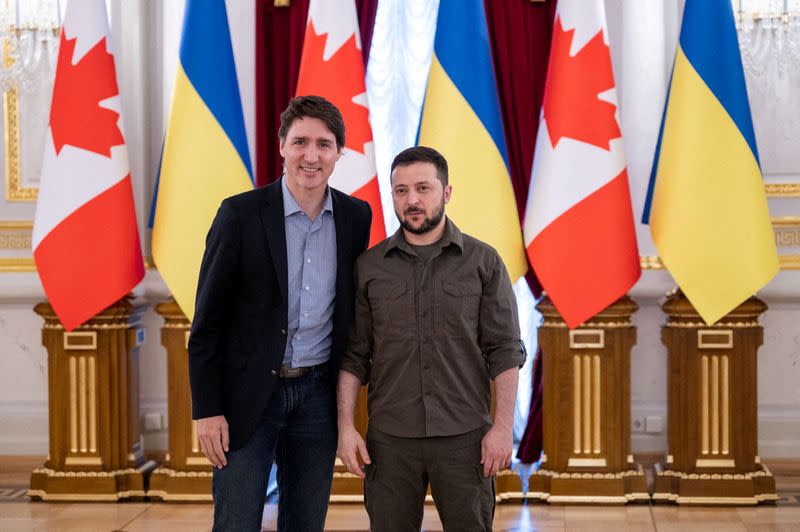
<point x="152" y="421"/>
<point x="654" y="424"/>
<point x="637" y="424"/>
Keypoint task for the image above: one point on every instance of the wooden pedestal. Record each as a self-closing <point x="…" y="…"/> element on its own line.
<point x="93" y="386"/>
<point x="712" y="455"/>
<point x="186" y="474"/>
<point x="586" y="407"/>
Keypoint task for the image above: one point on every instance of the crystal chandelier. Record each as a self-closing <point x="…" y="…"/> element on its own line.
<point x="769" y="36"/>
<point x="29" y="36"/>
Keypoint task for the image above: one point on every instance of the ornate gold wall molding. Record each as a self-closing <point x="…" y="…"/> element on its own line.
<point x="14" y="189"/>
<point x="783" y="190"/>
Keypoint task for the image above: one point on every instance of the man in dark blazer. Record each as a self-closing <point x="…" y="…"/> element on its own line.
<point x="274" y="303"/>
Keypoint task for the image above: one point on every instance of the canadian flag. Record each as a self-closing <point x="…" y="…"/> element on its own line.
<point x="579" y="227"/>
<point x="332" y="67"/>
<point x="85" y="236"/>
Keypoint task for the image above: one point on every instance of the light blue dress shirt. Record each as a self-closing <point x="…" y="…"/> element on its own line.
<point x="311" y="261"/>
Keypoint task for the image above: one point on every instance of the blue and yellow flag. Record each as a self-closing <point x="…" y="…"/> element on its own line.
<point x="205" y="157"/>
<point x="706" y="203"/>
<point x="461" y="119"/>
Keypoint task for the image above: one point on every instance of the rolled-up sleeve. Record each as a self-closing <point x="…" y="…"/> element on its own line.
<point x="499" y="322"/>
<point x="358" y="354"/>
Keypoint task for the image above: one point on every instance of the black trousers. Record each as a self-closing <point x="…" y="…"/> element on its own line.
<point x="402" y="468"/>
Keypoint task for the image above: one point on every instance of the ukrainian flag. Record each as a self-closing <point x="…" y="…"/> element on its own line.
<point x="461" y="119"/>
<point x="706" y="204"/>
<point x="206" y="157"/>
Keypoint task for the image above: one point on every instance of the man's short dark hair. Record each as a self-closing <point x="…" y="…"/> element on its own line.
<point x="313" y="107"/>
<point x="422" y="154"/>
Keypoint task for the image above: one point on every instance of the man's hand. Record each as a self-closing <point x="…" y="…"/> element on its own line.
<point x="213" y="435"/>
<point x="496" y="449"/>
<point x="351" y="445"/>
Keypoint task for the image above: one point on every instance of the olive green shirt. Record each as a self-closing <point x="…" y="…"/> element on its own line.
<point x="428" y="337"/>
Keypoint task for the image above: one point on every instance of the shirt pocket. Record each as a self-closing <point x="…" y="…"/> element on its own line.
<point x="460" y="307"/>
<point x="391" y="307"/>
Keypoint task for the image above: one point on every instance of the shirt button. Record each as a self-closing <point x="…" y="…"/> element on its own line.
<point x="308" y="288"/>
<point x="283" y="332"/>
<point x="305" y="314"/>
<point x="308" y="261"/>
<point x="274" y="372"/>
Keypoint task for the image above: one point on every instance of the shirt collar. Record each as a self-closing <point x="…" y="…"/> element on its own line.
<point x="452" y="235"/>
<point x="290" y="205"/>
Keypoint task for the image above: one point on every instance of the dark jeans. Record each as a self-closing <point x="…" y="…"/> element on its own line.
<point x="299" y="432"/>
<point x="401" y="469"/>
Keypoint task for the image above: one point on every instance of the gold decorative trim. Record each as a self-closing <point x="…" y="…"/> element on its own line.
<point x="704" y="427"/>
<point x="83" y="460"/>
<point x="198" y="461"/>
<point x="73" y="404"/>
<point x="16" y="225"/>
<point x="594" y="339"/>
<point x="188" y="474"/>
<point x="102" y="326"/>
<point x="599" y="324"/>
<point x="587" y="462"/>
<point x="83" y="425"/>
<point x="14" y="189"/>
<point x="79" y="474"/>
<point x="28" y="265"/>
<point x="17" y="265"/>
<point x="738" y="501"/>
<point x="764" y="472"/>
<point x="587" y="404"/>
<point x="173" y="325"/>
<point x="715" y="462"/>
<point x="41" y="494"/>
<point x="704" y="340"/>
<point x="785" y="220"/>
<point x="700" y="324"/>
<point x="346" y="498"/>
<point x="596" y="403"/>
<point x="72" y="341"/>
<point x="786" y="262"/>
<point x="782" y="190"/>
<point x="638" y="472"/>
<point x="576" y="404"/>
<point x="92" y="406"/>
<point x="598" y="499"/>
<point x="725" y="404"/>
<point x="282" y="3"/>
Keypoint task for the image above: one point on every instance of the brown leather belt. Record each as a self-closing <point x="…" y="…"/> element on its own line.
<point x="288" y="372"/>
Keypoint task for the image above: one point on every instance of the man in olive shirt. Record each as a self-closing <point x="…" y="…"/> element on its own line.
<point x="435" y="320"/>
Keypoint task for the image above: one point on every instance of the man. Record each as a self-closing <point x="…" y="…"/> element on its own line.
<point x="274" y="302"/>
<point x="435" y="320"/>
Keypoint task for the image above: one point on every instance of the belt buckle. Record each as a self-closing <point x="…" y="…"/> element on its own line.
<point x="288" y="372"/>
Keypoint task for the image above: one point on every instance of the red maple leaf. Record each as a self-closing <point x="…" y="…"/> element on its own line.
<point x="338" y="79"/>
<point x="76" y="117"/>
<point x="571" y="106"/>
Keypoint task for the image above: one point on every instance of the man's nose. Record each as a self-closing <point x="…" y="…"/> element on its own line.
<point x="311" y="153"/>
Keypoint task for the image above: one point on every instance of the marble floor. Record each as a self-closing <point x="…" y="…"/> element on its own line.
<point x="17" y="514"/>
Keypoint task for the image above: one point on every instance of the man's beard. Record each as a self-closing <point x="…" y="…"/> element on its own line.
<point x="427" y="224"/>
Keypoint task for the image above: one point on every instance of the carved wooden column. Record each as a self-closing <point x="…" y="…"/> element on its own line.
<point x="586" y="454"/>
<point x="712" y="455"/>
<point x="93" y="386"/>
<point x="186" y="474"/>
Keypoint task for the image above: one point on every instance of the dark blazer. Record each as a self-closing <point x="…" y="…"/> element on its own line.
<point x="238" y="333"/>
